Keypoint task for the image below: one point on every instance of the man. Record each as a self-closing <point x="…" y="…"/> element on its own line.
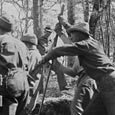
<point x="13" y="66"/>
<point x="43" y="46"/>
<point x="34" y="56"/>
<point x="93" y="59"/>
<point x="86" y="88"/>
<point x="43" y="41"/>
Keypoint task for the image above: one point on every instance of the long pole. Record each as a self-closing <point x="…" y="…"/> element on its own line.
<point x="45" y="89"/>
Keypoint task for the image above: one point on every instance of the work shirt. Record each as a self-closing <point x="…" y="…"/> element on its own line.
<point x="13" y="52"/>
<point x="91" y="56"/>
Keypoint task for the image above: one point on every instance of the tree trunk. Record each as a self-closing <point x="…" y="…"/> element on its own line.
<point x="36" y="27"/>
<point x="100" y="23"/>
<point x="71" y="20"/>
<point x="1" y="7"/>
<point x="94" y="17"/>
<point x="40" y="16"/>
<point x="85" y="4"/>
<point x="26" y="19"/>
<point x="71" y="13"/>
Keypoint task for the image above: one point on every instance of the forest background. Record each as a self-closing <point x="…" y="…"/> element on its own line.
<point x="33" y="15"/>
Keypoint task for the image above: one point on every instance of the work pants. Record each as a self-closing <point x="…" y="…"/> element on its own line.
<point x="106" y="86"/>
<point x="106" y="96"/>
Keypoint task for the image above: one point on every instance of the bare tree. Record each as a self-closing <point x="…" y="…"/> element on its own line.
<point x="100" y="23"/>
<point x="71" y="20"/>
<point x="36" y="26"/>
<point x="1" y="7"/>
<point x="85" y="4"/>
<point x="71" y="12"/>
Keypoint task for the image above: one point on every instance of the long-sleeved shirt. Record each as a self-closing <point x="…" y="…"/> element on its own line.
<point x="91" y="56"/>
<point x="13" y="52"/>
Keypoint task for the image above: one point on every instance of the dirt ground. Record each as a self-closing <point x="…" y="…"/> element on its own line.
<point x="54" y="95"/>
<point x="53" y="88"/>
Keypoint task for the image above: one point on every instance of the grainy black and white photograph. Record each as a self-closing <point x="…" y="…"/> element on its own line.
<point x="57" y="57"/>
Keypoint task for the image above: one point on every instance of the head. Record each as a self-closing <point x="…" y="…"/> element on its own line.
<point x="30" y="40"/>
<point x="5" y="25"/>
<point x="79" y="32"/>
<point x="47" y="31"/>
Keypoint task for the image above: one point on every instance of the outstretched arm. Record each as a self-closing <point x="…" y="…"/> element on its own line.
<point x="71" y="71"/>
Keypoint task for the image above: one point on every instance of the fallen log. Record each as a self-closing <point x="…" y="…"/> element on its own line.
<point x="61" y="106"/>
<point x="54" y="106"/>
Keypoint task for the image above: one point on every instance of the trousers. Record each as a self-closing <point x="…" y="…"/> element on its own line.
<point x="84" y="92"/>
<point x="103" y="103"/>
<point x="106" y="86"/>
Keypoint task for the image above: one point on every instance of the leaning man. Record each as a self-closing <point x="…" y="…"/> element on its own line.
<point x="93" y="59"/>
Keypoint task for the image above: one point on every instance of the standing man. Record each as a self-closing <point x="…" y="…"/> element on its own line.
<point x="13" y="66"/>
<point x="34" y="56"/>
<point x="93" y="59"/>
<point x="43" y="46"/>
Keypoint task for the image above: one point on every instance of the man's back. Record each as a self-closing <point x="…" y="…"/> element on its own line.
<point x="13" y="51"/>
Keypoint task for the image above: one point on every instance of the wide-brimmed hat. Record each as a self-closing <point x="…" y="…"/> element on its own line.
<point x="30" y="38"/>
<point x="5" y="24"/>
<point x="80" y="27"/>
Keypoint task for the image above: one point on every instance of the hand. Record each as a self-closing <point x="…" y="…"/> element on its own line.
<point x="61" y="19"/>
<point x="64" y="22"/>
<point x="56" y="64"/>
<point x="58" y="29"/>
<point x="44" y="59"/>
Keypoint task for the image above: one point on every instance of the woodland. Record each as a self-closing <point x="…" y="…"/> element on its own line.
<point x="33" y="15"/>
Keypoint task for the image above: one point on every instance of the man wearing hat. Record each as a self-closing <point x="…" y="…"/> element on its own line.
<point x="43" y="46"/>
<point x="34" y="56"/>
<point x="43" y="41"/>
<point x="86" y="88"/>
<point x="93" y="59"/>
<point x="13" y="66"/>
